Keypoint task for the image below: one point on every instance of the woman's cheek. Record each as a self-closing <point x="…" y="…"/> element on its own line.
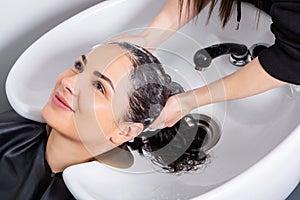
<point x="106" y="119"/>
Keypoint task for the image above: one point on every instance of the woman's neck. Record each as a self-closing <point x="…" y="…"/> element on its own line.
<point x="61" y="152"/>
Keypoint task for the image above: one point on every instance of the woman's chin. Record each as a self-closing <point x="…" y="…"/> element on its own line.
<point x="44" y="113"/>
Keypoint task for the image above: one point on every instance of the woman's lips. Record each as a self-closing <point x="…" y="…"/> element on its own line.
<point x="61" y="102"/>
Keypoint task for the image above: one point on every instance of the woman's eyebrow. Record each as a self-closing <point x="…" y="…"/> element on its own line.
<point x="84" y="59"/>
<point x="98" y="74"/>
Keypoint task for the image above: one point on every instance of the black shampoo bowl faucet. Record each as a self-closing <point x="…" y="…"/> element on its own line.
<point x="240" y="55"/>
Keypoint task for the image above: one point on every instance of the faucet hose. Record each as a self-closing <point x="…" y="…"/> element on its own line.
<point x="203" y="57"/>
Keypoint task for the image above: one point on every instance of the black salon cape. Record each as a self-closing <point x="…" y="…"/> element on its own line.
<point x="282" y="60"/>
<point x="24" y="172"/>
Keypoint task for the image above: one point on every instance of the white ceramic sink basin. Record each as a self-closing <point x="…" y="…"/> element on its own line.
<point x="257" y="155"/>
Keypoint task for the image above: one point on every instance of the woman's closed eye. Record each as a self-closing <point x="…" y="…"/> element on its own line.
<point x="97" y="84"/>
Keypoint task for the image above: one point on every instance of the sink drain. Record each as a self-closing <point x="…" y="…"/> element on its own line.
<point x="210" y="126"/>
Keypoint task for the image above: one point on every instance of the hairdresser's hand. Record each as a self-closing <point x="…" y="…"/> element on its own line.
<point x="139" y="39"/>
<point x="176" y="108"/>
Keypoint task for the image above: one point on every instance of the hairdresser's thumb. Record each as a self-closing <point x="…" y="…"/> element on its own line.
<point x="159" y="122"/>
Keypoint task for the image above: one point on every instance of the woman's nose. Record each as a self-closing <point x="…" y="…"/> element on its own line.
<point x="68" y="84"/>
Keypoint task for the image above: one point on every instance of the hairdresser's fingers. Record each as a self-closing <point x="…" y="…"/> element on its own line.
<point x="159" y="122"/>
<point x="173" y="119"/>
<point x="134" y="39"/>
<point x="173" y="110"/>
<point x="171" y="113"/>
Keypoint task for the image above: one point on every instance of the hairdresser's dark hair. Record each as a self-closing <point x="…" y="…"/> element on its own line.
<point x="225" y="9"/>
<point x="177" y="148"/>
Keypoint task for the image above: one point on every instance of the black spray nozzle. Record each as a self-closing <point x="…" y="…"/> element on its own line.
<point x="203" y="57"/>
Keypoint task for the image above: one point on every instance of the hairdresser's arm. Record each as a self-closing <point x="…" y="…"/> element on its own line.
<point x="165" y="24"/>
<point x="250" y="80"/>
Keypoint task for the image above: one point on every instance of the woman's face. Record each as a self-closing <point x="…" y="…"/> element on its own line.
<point x="89" y="100"/>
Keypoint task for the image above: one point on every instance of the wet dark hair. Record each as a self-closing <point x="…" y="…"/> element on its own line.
<point x="175" y="149"/>
<point x="150" y="85"/>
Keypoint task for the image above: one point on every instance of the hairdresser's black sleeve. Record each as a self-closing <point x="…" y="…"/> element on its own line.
<point x="282" y="60"/>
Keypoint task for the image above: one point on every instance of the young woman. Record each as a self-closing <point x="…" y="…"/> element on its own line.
<point x="275" y="66"/>
<point x="106" y="99"/>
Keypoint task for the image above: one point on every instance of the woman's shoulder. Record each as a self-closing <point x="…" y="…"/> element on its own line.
<point x="13" y="125"/>
<point x="11" y="118"/>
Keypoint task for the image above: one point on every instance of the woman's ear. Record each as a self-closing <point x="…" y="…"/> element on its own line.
<point x="130" y="131"/>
